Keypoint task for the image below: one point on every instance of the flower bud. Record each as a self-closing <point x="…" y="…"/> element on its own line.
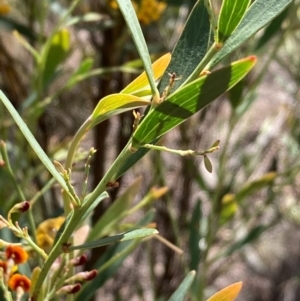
<point x="69" y="289"/>
<point x="83" y="276"/>
<point x="77" y="261"/>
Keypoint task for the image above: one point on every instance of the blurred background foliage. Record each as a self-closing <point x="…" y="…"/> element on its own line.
<point x="241" y="222"/>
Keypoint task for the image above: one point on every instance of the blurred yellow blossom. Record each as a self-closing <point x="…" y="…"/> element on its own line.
<point x="46" y="232"/>
<point x="147" y="10"/>
<point x="4" y="8"/>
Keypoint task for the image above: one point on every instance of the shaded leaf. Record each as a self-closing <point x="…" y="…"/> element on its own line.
<point x="272" y="29"/>
<point x="228" y="293"/>
<point x="207" y="164"/>
<point x="134" y="234"/>
<point x="249" y="238"/>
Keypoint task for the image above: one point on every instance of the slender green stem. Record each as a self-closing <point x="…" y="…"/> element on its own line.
<point x="180" y="152"/>
<point x="77" y="216"/>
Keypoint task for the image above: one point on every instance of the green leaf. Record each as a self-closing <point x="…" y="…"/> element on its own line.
<point x="250" y="237"/>
<point x="189" y="100"/>
<point x="254" y="186"/>
<point x="207" y="164"/>
<point x="259" y="14"/>
<point x="115" y="211"/>
<point x="272" y="29"/>
<point x="191" y="47"/>
<point x="91" y="208"/>
<point x="134" y="234"/>
<point x="231" y="14"/>
<point x="116" y="104"/>
<point x="187" y="53"/>
<point x="133" y="24"/>
<point x="195" y="237"/>
<point x="83" y="68"/>
<point x="183" y="288"/>
<point x="58" y="49"/>
<point x="141" y="82"/>
<point x="32" y="141"/>
<point x="111" y="260"/>
<point x="228" y="293"/>
<point x="88" y="17"/>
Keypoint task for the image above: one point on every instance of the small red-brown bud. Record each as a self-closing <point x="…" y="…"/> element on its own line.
<point x="69" y="289"/>
<point x="83" y="276"/>
<point x="20" y="207"/>
<point x="77" y="261"/>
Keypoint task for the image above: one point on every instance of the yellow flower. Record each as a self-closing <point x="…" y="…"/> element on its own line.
<point x="4" y="8"/>
<point x="150" y="11"/>
<point x="46" y="232"/>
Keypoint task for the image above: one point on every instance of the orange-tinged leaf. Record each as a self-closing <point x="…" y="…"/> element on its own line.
<point x="116" y="104"/>
<point x="141" y="82"/>
<point x="228" y="293"/>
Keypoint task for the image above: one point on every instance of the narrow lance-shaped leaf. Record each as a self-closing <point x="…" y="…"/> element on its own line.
<point x="259" y="14"/>
<point x="141" y="82"/>
<point x="59" y="47"/>
<point x="231" y="14"/>
<point x="189" y="100"/>
<point x="116" y="104"/>
<point x="187" y="53"/>
<point x="139" y="40"/>
<point x="134" y="234"/>
<point x="183" y="288"/>
<point x="32" y="141"/>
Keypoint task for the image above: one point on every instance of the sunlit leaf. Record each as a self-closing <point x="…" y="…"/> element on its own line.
<point x="116" y="104"/>
<point x="133" y="25"/>
<point x="189" y="100"/>
<point x="232" y="12"/>
<point x="228" y="293"/>
<point x="141" y="82"/>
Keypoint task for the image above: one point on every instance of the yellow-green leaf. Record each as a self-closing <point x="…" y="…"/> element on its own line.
<point x="256" y="185"/>
<point x="140" y="84"/>
<point x="56" y="53"/>
<point x="228" y="293"/>
<point x="116" y="104"/>
<point x="229" y="208"/>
